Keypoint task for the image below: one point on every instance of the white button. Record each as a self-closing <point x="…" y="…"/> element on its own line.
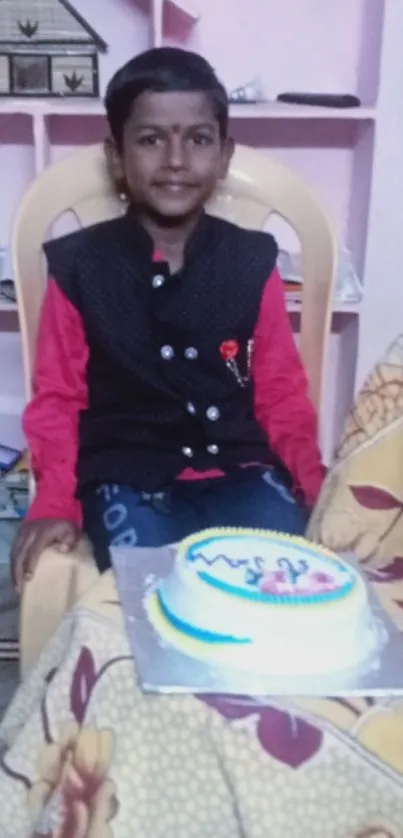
<point x="191" y="408"/>
<point x="188" y="452"/>
<point x="213" y="449"/>
<point x="167" y="352"/>
<point x="158" y="280"/>
<point x="191" y="353"/>
<point x="213" y="413"/>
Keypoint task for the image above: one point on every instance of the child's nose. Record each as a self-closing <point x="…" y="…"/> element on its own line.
<point x="176" y="153"/>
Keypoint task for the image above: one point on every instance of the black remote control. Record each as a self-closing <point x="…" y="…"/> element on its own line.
<point x="323" y="100"/>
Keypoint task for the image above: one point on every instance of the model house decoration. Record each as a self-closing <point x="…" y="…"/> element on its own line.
<point x="47" y="49"/>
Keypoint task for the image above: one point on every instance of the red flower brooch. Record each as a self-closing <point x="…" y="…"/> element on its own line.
<point x="229" y="351"/>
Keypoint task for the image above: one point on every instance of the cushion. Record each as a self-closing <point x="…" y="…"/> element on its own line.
<point x="360" y="508"/>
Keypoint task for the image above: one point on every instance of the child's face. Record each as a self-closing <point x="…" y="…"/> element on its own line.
<point x="172" y="154"/>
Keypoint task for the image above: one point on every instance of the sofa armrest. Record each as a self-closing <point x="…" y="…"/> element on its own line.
<point x="58" y="583"/>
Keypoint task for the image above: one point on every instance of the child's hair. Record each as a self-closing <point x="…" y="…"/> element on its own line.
<point x="163" y="70"/>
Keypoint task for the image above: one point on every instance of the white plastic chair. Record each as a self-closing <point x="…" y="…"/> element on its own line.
<point x="257" y="186"/>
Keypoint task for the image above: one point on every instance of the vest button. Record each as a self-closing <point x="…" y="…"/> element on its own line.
<point x="191" y="408"/>
<point x="188" y="452"/>
<point x="213" y="449"/>
<point x="191" y="353"/>
<point x="213" y="413"/>
<point x="167" y="352"/>
<point x="158" y="280"/>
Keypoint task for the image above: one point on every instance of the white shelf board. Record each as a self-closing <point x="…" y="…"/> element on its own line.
<point x="283" y="110"/>
<point x="48" y="107"/>
<point x="294" y="306"/>
<point x="262" y="110"/>
<point x="6" y="306"/>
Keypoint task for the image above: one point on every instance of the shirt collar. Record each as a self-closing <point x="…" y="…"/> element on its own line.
<point x="143" y="244"/>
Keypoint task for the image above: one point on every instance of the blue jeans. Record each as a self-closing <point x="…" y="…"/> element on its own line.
<point x="116" y="515"/>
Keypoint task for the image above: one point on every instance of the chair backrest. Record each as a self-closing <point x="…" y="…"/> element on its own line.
<point x="257" y="186"/>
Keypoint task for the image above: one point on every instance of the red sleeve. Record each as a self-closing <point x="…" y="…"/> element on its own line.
<point x="282" y="404"/>
<point x="51" y="419"/>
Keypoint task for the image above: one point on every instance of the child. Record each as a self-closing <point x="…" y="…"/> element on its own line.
<point x="169" y="393"/>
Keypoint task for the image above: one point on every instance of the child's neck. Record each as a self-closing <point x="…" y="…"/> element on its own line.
<point x="170" y="240"/>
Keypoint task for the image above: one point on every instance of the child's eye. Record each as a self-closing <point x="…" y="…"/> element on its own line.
<point x="148" y="139"/>
<point x="202" y="139"/>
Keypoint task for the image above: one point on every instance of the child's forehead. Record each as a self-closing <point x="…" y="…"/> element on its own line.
<point x="179" y="107"/>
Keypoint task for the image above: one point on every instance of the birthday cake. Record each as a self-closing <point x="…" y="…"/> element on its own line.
<point x="265" y="602"/>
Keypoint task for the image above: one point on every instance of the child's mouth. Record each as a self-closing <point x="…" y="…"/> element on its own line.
<point x="175" y="188"/>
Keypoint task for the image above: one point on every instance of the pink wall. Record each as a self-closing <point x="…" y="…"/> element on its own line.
<point x="16" y="168"/>
<point x="292" y="44"/>
<point x="295" y="44"/>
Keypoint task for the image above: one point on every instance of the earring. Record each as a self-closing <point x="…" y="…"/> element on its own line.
<point x="124" y="201"/>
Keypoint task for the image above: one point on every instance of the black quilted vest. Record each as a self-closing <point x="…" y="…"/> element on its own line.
<point x="160" y="395"/>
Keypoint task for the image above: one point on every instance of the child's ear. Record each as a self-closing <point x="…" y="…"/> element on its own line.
<point x="227" y="151"/>
<point x="115" y="166"/>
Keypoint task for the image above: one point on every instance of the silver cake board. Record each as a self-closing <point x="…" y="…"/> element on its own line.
<point x="164" y="669"/>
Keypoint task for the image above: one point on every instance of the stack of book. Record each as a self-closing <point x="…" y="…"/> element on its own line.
<point x="288" y="265"/>
<point x="14" y="484"/>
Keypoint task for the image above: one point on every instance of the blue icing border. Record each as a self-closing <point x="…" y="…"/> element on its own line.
<point x="198" y="634"/>
<point x="273" y="599"/>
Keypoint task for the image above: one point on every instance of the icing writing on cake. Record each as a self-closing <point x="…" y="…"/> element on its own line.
<point x="221" y="558"/>
<point x="289" y="577"/>
<point x="286" y="575"/>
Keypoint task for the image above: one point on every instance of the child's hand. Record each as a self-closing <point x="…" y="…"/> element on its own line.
<point x="32" y="539"/>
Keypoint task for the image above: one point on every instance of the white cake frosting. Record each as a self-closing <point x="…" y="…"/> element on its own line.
<point x="264" y="602"/>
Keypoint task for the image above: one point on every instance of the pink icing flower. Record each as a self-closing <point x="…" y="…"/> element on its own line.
<point x="316" y="583"/>
<point x="322" y="578"/>
<point x="276" y="582"/>
<point x="272" y="581"/>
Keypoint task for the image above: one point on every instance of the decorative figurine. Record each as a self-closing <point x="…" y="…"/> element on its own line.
<point x="47" y="49"/>
<point x="247" y="94"/>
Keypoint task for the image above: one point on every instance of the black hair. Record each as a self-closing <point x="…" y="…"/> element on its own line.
<point x="162" y="70"/>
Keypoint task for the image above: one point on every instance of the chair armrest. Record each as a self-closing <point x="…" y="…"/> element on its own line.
<point x="58" y="583"/>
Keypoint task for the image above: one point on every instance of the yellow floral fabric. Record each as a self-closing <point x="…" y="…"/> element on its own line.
<point x="85" y="754"/>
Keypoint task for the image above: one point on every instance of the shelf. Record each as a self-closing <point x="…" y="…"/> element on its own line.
<point x="46" y="107"/>
<point x="262" y="110"/>
<point x="282" y="110"/>
<point x="7" y="306"/>
<point x="294" y="307"/>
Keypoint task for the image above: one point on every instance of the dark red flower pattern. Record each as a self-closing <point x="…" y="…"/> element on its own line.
<point x="286" y="737"/>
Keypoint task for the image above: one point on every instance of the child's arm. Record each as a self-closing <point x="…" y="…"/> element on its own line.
<point x="51" y="419"/>
<point x="282" y="404"/>
<point x="51" y="428"/>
